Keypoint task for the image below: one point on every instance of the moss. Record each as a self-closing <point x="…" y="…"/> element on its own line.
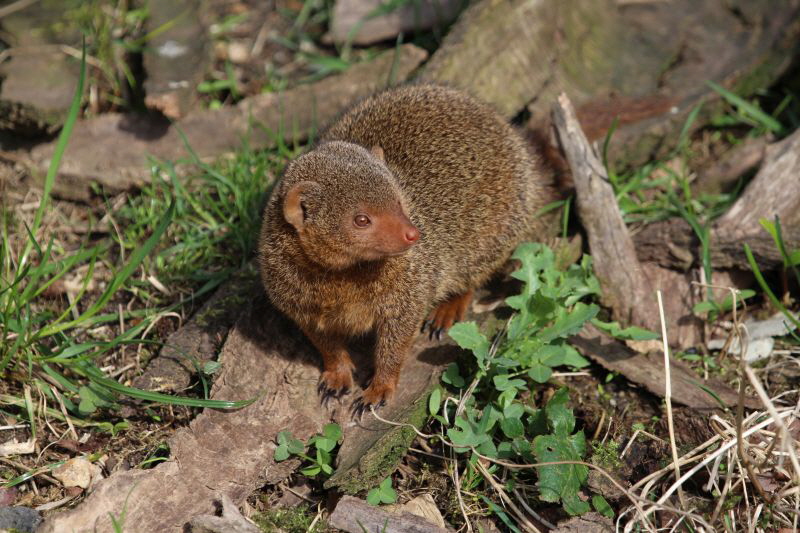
<point x="606" y="455"/>
<point x="293" y="520"/>
<point x="382" y="457"/>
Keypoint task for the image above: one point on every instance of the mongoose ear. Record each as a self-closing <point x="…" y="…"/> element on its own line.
<point x="377" y="151"/>
<point x="294" y="207"/>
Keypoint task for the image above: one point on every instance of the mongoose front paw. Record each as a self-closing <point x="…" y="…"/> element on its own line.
<point x="336" y="381"/>
<point x="446" y="314"/>
<point x="378" y="393"/>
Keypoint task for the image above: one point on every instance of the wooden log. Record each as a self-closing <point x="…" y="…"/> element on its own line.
<point x="626" y="290"/>
<point x="647" y="370"/>
<point x="265" y="358"/>
<point x="673" y="244"/>
<point x="357" y="516"/>
<point x="115" y="149"/>
<point x="644" y="64"/>
<point x="775" y="191"/>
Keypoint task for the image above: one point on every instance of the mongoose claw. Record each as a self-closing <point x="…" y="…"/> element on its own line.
<point x="326" y="394"/>
<point x="446" y="314"/>
<point x="435" y="332"/>
<point x="360" y="407"/>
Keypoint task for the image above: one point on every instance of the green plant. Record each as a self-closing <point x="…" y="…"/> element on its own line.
<point x="496" y="420"/>
<point x="606" y="454"/>
<point x="748" y="113"/>
<point x="321" y="459"/>
<point x="791" y="258"/>
<point x="52" y="348"/>
<point x="791" y="317"/>
<point x="547" y="311"/>
<point x="216" y="219"/>
<point x="561" y="482"/>
<point x="383" y="493"/>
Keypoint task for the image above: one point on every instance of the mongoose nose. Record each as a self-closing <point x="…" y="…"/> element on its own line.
<point x="412" y="235"/>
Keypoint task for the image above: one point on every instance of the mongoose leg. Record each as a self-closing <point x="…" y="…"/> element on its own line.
<point x="337" y="375"/>
<point x="394" y="338"/>
<point x="447" y="313"/>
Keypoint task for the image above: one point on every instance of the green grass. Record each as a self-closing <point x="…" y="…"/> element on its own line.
<point x="190" y="234"/>
<point x="216" y="222"/>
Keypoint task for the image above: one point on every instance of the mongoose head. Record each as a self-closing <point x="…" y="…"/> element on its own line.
<point x="346" y="206"/>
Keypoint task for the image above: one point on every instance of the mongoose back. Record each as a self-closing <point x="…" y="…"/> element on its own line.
<point x="409" y="201"/>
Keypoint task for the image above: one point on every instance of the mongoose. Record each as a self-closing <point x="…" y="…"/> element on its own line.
<point x="409" y="201"/>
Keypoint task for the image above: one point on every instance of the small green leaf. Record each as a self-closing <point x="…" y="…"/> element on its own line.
<point x="211" y="367"/>
<point x="435" y="401"/>
<point x="332" y="431"/>
<point x="512" y="427"/>
<point x="601" y="506"/>
<point x="705" y="307"/>
<point x="86" y="406"/>
<point x="311" y="471"/>
<point x="539" y="372"/>
<point x="383" y="493"/>
<point x="559" y="417"/>
<point x="463" y="435"/>
<point x="503" y="382"/>
<point x="550" y="355"/>
<point x="281" y="453"/>
<point x="573" y="358"/>
<point x="295" y="446"/>
<point x="633" y="333"/>
<point x="324" y="444"/>
<point x="468" y="337"/>
<point x="452" y="377"/>
<point x="571" y="323"/>
<point x="374" y="497"/>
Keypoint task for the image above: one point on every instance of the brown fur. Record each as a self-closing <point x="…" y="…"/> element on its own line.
<point x="429" y="154"/>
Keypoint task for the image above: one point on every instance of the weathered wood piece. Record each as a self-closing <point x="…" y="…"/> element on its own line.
<point x="177" y="57"/>
<point x="645" y="63"/>
<point x="231" y="520"/>
<point x="114" y="149"/>
<point x="356" y="21"/>
<point x="722" y="174"/>
<point x="626" y="290"/>
<point x="478" y="54"/>
<point x="673" y="244"/>
<point x="588" y="523"/>
<point x="37" y="90"/>
<point x="647" y="370"/>
<point x="200" y="338"/>
<point x="775" y="191"/>
<point x="357" y="516"/>
<point x="231" y="452"/>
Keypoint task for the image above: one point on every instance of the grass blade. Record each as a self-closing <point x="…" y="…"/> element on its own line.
<point x="133" y="263"/>
<point x="58" y="152"/>
<point x="748" y="109"/>
<point x="763" y="284"/>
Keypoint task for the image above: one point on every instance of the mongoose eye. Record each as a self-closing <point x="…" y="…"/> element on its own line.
<point x="362" y="221"/>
